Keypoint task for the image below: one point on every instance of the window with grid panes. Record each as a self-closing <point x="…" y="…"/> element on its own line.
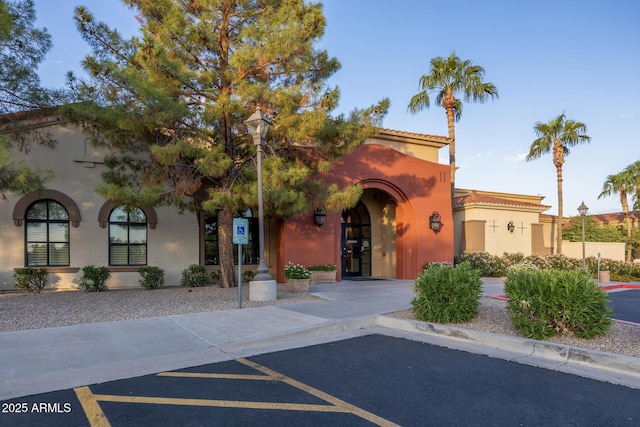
<point x="127" y="237"/>
<point x="47" y="235"/>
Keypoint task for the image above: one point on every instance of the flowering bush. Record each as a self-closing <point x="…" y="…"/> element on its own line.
<point x="495" y="266"/>
<point x="296" y="271"/>
<point x="322" y="267"/>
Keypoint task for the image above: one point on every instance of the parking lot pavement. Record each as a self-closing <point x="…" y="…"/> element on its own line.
<point x="626" y="305"/>
<point x="368" y="380"/>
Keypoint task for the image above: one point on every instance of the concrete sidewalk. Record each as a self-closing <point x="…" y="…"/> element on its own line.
<point x="44" y="360"/>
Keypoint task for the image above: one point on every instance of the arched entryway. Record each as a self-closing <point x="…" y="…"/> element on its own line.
<point x="369" y="236"/>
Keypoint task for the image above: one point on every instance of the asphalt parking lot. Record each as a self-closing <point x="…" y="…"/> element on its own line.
<point x="369" y="380"/>
<point x="626" y="305"/>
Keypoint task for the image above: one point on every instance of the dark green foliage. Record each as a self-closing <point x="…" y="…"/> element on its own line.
<point x="546" y="303"/>
<point x="152" y="277"/>
<point x="488" y="265"/>
<point x="194" y="276"/>
<point x="495" y="266"/>
<point x="171" y="102"/>
<point x="247" y="275"/>
<point x="447" y="295"/>
<point x="31" y="280"/>
<point x="215" y="276"/>
<point x="94" y="278"/>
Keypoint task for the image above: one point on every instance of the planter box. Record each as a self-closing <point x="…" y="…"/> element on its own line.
<point x="298" y="285"/>
<point x="323" y="277"/>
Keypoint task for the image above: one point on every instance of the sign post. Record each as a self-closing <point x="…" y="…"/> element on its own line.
<point x="240" y="237"/>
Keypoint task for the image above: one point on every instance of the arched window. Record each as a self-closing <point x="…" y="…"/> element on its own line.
<point x="127" y="237"/>
<point x="47" y="234"/>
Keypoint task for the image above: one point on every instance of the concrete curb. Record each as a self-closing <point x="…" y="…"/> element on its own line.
<point x="594" y="364"/>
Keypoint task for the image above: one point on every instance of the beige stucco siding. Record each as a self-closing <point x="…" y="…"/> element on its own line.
<point x="172" y="245"/>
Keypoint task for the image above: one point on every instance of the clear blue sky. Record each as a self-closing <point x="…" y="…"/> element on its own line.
<point x="546" y="57"/>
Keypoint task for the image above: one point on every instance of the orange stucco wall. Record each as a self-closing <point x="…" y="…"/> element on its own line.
<point x="418" y="187"/>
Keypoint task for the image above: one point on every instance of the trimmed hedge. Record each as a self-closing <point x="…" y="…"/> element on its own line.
<point x="495" y="266"/>
<point x="151" y="277"/>
<point x="194" y="276"/>
<point x="445" y="294"/>
<point x="94" y="278"/>
<point x="544" y="303"/>
<point x="31" y="280"/>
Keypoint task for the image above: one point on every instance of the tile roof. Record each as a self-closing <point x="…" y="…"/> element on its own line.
<point x="483" y="199"/>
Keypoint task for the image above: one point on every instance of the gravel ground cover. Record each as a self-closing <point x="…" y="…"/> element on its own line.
<point x="492" y="317"/>
<point x="20" y="311"/>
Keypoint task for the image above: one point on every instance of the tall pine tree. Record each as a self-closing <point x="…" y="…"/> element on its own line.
<point x="172" y="103"/>
<point x="22" y="49"/>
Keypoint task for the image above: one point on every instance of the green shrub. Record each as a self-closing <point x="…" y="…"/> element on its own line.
<point x="247" y="275"/>
<point x="152" y="277"/>
<point x="445" y="294"/>
<point x="550" y="302"/>
<point x="494" y="266"/>
<point x="322" y="267"/>
<point x="216" y="276"/>
<point x="194" y="276"/>
<point x="94" y="278"/>
<point x="488" y="265"/>
<point x="31" y="280"/>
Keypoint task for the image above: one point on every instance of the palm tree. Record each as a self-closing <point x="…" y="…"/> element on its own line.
<point x="452" y="77"/>
<point x="556" y="137"/>
<point x="622" y="183"/>
<point x="634" y="171"/>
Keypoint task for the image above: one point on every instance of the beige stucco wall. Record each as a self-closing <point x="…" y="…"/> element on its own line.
<point x="172" y="245"/>
<point x="498" y="239"/>
<point x="425" y="147"/>
<point x="609" y="250"/>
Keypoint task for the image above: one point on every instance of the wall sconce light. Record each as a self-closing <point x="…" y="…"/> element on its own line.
<point x="319" y="216"/>
<point x="511" y="227"/>
<point x="435" y="223"/>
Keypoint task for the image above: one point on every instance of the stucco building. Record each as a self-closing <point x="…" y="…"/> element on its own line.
<point x="493" y="222"/>
<point x="68" y="225"/>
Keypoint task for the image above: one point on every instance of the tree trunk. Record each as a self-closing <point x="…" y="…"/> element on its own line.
<point x="558" y="161"/>
<point x="627" y="220"/>
<point x="225" y="247"/>
<point x="560" y="213"/>
<point x="449" y="104"/>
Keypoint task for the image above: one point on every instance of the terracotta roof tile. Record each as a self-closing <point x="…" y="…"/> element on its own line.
<point x="482" y="199"/>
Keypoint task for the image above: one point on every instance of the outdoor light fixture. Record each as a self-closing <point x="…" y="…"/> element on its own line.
<point x="258" y="126"/>
<point x="435" y="223"/>
<point x="583" y="209"/>
<point x="511" y="227"/>
<point x="319" y="216"/>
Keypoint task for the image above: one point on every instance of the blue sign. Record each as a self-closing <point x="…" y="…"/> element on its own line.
<point x="240" y="231"/>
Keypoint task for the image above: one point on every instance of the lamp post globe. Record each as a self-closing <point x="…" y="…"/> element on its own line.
<point x="258" y="126"/>
<point x="582" y="210"/>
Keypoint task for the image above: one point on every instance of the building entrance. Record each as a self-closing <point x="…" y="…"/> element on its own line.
<point x="356" y="242"/>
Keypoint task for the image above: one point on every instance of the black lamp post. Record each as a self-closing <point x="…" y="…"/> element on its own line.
<point x="258" y="125"/>
<point x="583" y="209"/>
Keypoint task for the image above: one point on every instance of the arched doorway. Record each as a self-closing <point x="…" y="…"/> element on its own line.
<point x="356" y="242"/>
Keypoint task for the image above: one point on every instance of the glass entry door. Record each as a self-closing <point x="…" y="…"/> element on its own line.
<point x="351" y="250"/>
<point x="356" y="250"/>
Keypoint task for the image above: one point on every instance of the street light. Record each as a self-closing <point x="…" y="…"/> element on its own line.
<point x="258" y="125"/>
<point x="583" y="209"/>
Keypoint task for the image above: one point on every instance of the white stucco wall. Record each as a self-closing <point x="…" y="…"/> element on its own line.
<point x="172" y="245"/>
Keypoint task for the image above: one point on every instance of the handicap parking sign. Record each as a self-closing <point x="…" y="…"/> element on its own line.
<point x="240" y="231"/>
